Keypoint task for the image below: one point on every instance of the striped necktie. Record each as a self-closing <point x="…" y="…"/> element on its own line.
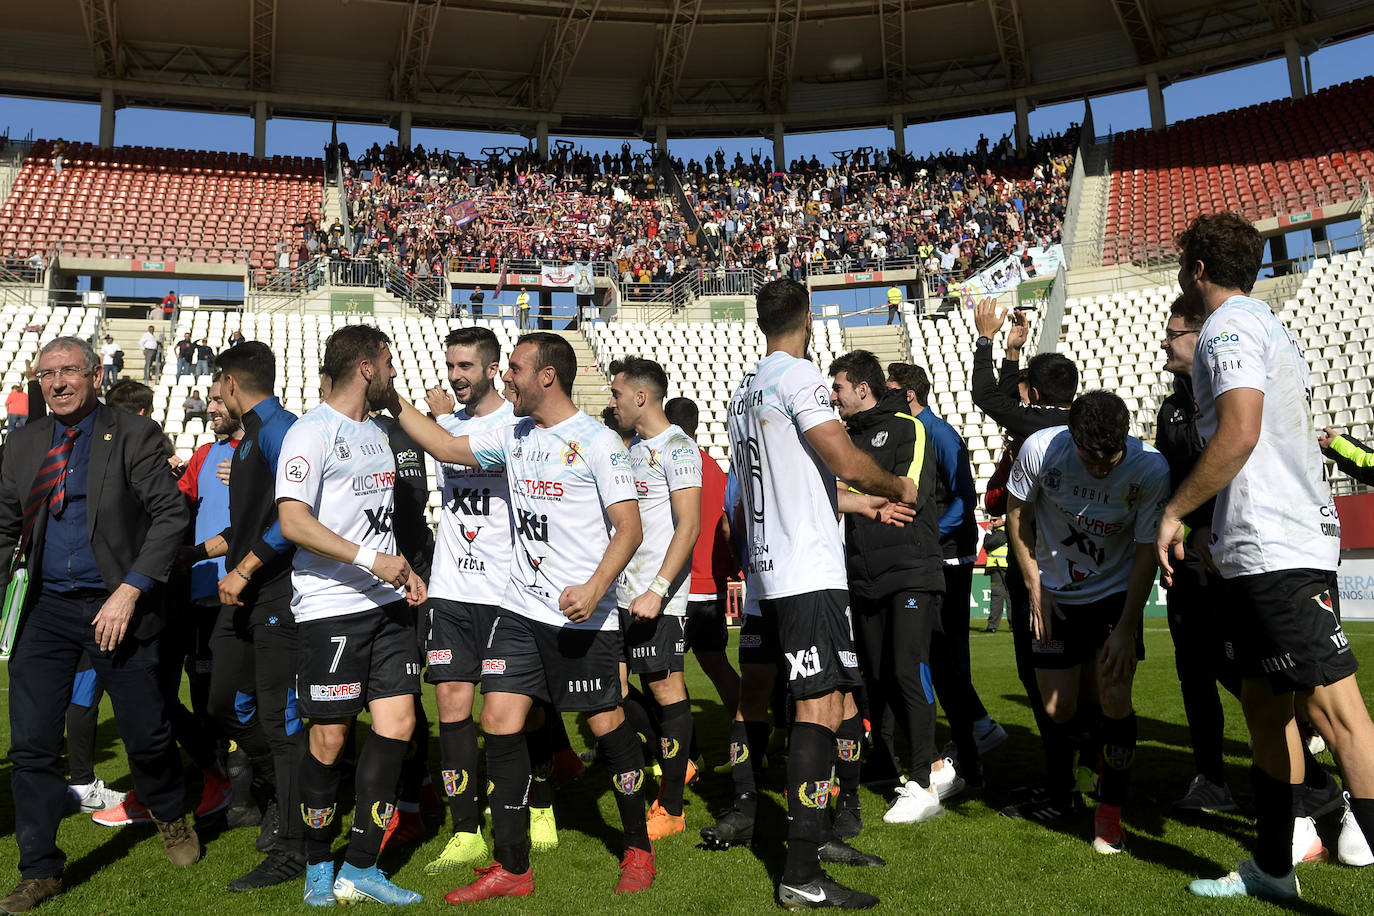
<point x="50" y="484"/>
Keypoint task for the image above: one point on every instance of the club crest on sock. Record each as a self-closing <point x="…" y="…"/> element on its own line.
<point x="670" y="747"/>
<point x="817" y="796"/>
<point x="455" y="782"/>
<point x="318" y="818"/>
<point x="847" y="749"/>
<point x="381" y="813"/>
<point x="629" y="783"/>
<point x="739" y="752"/>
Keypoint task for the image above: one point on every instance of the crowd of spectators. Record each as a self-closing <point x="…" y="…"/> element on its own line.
<point x="952" y="212"/>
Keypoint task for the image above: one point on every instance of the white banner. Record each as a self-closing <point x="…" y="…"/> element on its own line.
<point x="559" y="276"/>
<point x="1355" y="579"/>
<point x="1006" y="274"/>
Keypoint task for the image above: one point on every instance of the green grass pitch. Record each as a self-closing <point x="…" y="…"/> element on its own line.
<point x="968" y="862"/>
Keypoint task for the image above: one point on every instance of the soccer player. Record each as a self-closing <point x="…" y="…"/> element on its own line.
<point x="894" y="578"/>
<point x="1275" y="541"/>
<point x="467" y="584"/>
<point x="787" y="448"/>
<point x="253" y="681"/>
<point x="1084" y="501"/>
<point x="652" y="592"/>
<point x="557" y="637"/>
<point x="353" y="598"/>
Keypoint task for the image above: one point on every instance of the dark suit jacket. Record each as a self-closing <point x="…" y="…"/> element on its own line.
<point x="136" y="516"/>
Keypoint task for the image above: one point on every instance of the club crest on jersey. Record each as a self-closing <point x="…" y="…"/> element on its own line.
<point x="670" y="747"/>
<point x="739" y="752"/>
<point x="381" y="813"/>
<point x="572" y="454"/>
<point x="847" y="749"/>
<point x="653" y="458"/>
<point x="814" y="795"/>
<point x="1053" y="477"/>
<point x="318" y="818"/>
<point x="629" y="783"/>
<point x="341" y="448"/>
<point x="455" y="782"/>
<point x="880" y="439"/>
<point x="1132" y="496"/>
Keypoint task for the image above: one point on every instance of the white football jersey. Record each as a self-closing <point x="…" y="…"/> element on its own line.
<point x="793" y="541"/>
<point x="345" y="472"/>
<point x="662" y="465"/>
<point x="561" y="481"/>
<point x="1277" y="513"/>
<point x="473" y="551"/>
<point x="1086" y="527"/>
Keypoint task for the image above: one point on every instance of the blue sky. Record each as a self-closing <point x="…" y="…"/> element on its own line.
<point x="1122" y="111"/>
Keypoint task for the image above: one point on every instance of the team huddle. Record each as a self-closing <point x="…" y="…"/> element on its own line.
<point x="563" y="565"/>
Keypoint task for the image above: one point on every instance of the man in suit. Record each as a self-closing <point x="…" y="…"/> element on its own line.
<point x="86" y="497"/>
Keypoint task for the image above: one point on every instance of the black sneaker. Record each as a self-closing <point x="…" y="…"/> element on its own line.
<point x="823" y="892"/>
<point x="1045" y="807"/>
<point x="837" y="852"/>
<point x="736" y="828"/>
<point x="271" y="826"/>
<point x="279" y="867"/>
<point x="1310" y="802"/>
<point x="849" y="818"/>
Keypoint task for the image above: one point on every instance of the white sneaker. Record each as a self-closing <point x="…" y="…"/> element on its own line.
<point x="946" y="781"/>
<point x="1352" y="848"/>
<point x="914" y="805"/>
<point x="988" y="734"/>
<point x="1307" y="845"/>
<point x="92" y="798"/>
<point x="1316" y="744"/>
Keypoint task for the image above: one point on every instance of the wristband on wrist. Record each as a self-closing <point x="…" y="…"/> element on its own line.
<point x="1187" y="533"/>
<point x="199" y="552"/>
<point x="242" y="576"/>
<point x="365" y="558"/>
<point x="660" y="586"/>
<point x="983" y="341"/>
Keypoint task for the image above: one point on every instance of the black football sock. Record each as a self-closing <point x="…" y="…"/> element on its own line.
<point x="1086" y="734"/>
<point x="558" y="732"/>
<point x="641" y="725"/>
<point x="677" y="739"/>
<point x="541" y="762"/>
<point x="849" y="742"/>
<point x="319" y="791"/>
<point x="1274" y="822"/>
<point x="624" y="758"/>
<point x="458" y="771"/>
<point x="508" y="774"/>
<point x="810" y="761"/>
<point x="1314" y="775"/>
<point x="741" y="758"/>
<point x="1118" y="737"/>
<point x="758" y="745"/>
<point x="1058" y="741"/>
<point x="379" y="767"/>
<point x="413" y="769"/>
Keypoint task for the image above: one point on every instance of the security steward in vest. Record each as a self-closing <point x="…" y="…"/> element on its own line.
<point x="995" y="545"/>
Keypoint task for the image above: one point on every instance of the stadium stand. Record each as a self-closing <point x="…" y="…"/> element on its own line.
<point x="25" y="328"/>
<point x="159" y="204"/>
<point x="1273" y="158"/>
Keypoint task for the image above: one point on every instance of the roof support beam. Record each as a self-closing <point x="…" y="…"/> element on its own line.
<point x="102" y="31"/>
<point x="1139" y="26"/>
<point x="262" y="44"/>
<point x="782" y="46"/>
<point x="892" y="25"/>
<point x="1011" y="41"/>
<point x="415" y="45"/>
<point x="1285" y="14"/>
<point x="559" y="53"/>
<point x="672" y="55"/>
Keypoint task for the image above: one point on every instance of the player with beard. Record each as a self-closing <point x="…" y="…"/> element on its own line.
<point x="353" y="597"/>
<point x="652" y="593"/>
<point x="468" y="581"/>
<point x="788" y="447"/>
<point x="557" y="637"/>
<point x="1275" y="542"/>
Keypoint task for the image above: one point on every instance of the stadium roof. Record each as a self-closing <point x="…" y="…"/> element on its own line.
<point x="625" y="67"/>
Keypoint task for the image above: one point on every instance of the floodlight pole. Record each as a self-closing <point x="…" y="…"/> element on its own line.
<point x="107" y="118"/>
